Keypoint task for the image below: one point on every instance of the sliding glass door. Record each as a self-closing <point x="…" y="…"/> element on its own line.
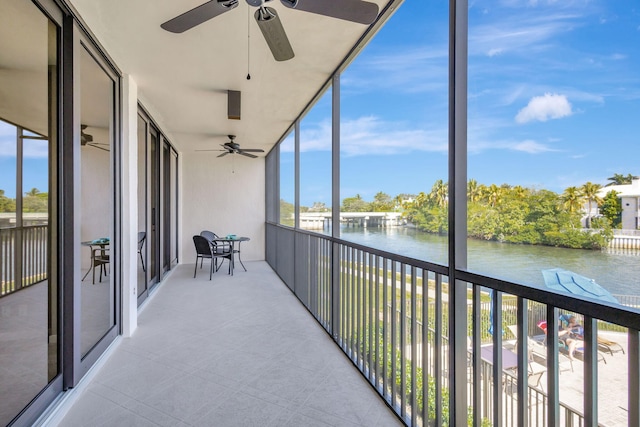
<point x="96" y="207"/>
<point x="30" y="362"/>
<point x="157" y="205"/>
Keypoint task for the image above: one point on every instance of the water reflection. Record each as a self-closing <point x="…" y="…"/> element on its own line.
<point x="616" y="272"/>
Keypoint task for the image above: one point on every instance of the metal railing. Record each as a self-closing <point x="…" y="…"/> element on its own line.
<point x="635" y="233"/>
<point x="352" y="290"/>
<point x="23" y="257"/>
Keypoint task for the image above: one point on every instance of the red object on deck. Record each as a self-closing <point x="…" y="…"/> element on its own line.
<point x="543" y="325"/>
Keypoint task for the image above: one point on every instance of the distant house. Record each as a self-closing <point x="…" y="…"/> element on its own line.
<point x="629" y="195"/>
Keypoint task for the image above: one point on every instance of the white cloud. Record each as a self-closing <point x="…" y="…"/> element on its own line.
<point x="531" y="147"/>
<point x="527" y="146"/>
<point x="484" y="134"/>
<point x="7" y="146"/>
<point x="32" y="148"/>
<point x="494" y="52"/>
<point x="414" y="70"/>
<point x="369" y="135"/>
<point x="543" y="108"/>
<point x="516" y="35"/>
<point x="36" y="149"/>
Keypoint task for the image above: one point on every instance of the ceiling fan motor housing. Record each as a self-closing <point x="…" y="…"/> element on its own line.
<point x="358" y="11"/>
<point x="257" y="3"/>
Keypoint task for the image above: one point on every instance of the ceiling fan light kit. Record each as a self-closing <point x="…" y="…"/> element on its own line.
<point x="86" y="140"/>
<point x="273" y="32"/>
<point x="358" y="11"/>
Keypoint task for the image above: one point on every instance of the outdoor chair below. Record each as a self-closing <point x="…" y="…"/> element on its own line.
<point x="206" y="249"/>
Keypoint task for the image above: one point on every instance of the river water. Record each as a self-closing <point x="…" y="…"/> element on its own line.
<point x="617" y="272"/>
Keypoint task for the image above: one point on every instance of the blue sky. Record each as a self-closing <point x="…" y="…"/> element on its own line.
<point x="553" y="97"/>
<point x="35" y="152"/>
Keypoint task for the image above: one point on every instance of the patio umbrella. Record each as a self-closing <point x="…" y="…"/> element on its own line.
<point x="563" y="280"/>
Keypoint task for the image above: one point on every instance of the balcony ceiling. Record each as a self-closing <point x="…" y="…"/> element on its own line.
<point x="183" y="78"/>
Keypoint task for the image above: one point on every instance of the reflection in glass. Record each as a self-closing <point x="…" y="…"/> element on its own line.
<point x="287" y="181"/>
<point x="28" y="258"/>
<point x="96" y="202"/>
<point x="142" y="205"/>
<point x="154" y="205"/>
<point x="173" y="239"/>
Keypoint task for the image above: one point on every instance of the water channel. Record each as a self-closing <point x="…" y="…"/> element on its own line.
<point x="617" y="272"/>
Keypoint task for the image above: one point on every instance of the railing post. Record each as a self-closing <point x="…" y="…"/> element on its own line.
<point x="590" y="372"/>
<point x="633" y="360"/>
<point x="553" y="414"/>
<point x="523" y="359"/>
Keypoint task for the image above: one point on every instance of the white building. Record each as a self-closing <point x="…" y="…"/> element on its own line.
<point x="630" y="197"/>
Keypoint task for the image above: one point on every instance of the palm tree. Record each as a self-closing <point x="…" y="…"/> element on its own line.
<point x="619" y="179"/>
<point x="519" y="191"/>
<point x="397" y="202"/>
<point x="572" y="199"/>
<point x="590" y="192"/>
<point x="421" y="199"/>
<point x="439" y="193"/>
<point x="32" y="193"/>
<point x="473" y="191"/>
<point x="494" y="195"/>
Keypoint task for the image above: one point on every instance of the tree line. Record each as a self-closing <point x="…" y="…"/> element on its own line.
<point x="32" y="201"/>
<point x="506" y="213"/>
<point x="516" y="214"/>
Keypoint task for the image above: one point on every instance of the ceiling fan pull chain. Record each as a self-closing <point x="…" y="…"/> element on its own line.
<point x="248" y="42"/>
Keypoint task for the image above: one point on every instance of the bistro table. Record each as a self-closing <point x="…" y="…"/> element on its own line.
<point x="100" y="246"/>
<point x="509" y="358"/>
<point x="233" y="239"/>
<point x="510" y="364"/>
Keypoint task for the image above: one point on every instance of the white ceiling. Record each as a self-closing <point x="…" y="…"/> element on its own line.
<point x="183" y="78"/>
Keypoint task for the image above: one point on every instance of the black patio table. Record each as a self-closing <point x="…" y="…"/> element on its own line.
<point x="233" y="239"/>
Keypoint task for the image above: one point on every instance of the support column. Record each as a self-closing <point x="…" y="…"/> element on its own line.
<point x="129" y="205"/>
<point x="458" y="32"/>
<point x="335" y="206"/>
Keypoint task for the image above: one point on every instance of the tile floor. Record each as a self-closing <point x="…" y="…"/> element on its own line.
<point x="235" y="351"/>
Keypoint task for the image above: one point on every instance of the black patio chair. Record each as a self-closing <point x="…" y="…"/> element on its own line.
<point x="208" y="249"/>
<point x="142" y="237"/>
<point x="218" y="246"/>
<point x="209" y="235"/>
<point x="99" y="259"/>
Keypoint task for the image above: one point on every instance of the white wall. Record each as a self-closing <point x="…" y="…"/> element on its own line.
<point x="629" y="212"/>
<point x="96" y="191"/>
<point x="224" y="195"/>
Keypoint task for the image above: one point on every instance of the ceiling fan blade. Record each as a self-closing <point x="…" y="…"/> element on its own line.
<point x="362" y="12"/>
<point x="223" y="154"/>
<point x="198" y="15"/>
<point x="252" y="150"/>
<point x="273" y="33"/>
<point x="98" y="147"/>
<point x="247" y="154"/>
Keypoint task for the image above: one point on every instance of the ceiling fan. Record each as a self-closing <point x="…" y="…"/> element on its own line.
<point x="358" y="11"/>
<point x="232" y="147"/>
<point x="87" y="140"/>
